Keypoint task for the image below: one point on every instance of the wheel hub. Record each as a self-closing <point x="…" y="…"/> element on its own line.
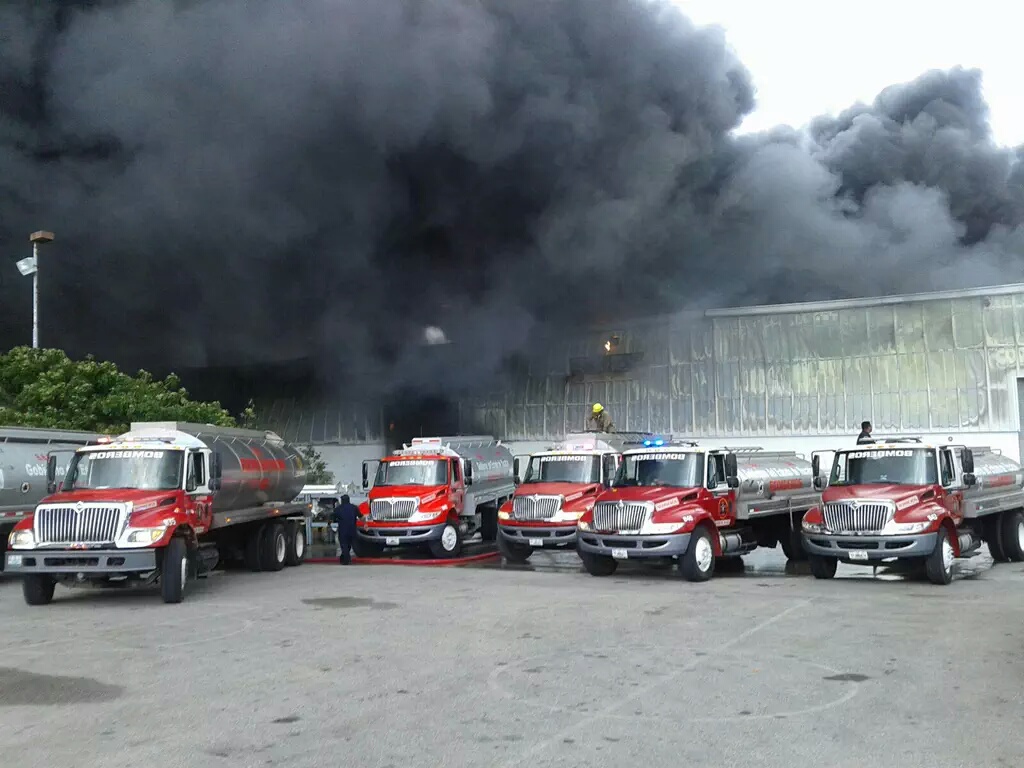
<point x="449" y="538"/>
<point x="1020" y="534"/>
<point x="184" y="570"/>
<point x="281" y="548"/>
<point x="703" y="554"/>
<point x="947" y="554"/>
<point x="300" y="543"/>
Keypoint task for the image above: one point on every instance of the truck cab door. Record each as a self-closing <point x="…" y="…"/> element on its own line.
<point x="457" y="484"/>
<point x="198" y="497"/>
<point x="951" y="479"/>
<point x="718" y="485"/>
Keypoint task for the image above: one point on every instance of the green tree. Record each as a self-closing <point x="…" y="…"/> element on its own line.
<point x="316" y="468"/>
<point x="45" y="388"/>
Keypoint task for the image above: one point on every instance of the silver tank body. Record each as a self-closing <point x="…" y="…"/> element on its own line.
<point x="256" y="467"/>
<point x="995" y="474"/>
<point x="772" y="475"/>
<point x="492" y="461"/>
<point x="23" y="456"/>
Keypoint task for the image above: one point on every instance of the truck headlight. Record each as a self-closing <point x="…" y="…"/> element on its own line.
<point x="660" y="529"/>
<point x="140" y="537"/>
<point x="504" y="514"/>
<point x="22" y="539"/>
<point x="420" y="517"/>
<point x="893" y="528"/>
<point x="583" y="525"/>
<point x="812" y="527"/>
<point x="566" y="517"/>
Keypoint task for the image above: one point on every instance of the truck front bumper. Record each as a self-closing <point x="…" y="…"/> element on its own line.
<point x="74" y="561"/>
<point x="540" y="537"/>
<point x="633" y="547"/>
<point x="402" y="536"/>
<point x="858" y="549"/>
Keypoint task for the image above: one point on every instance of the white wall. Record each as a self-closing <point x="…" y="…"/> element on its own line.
<point x="345" y="461"/>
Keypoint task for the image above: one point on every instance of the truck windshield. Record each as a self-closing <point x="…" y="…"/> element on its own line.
<point x="563" y="469"/>
<point x="901" y="466"/>
<point x="412" y="472"/>
<point x="138" y="469"/>
<point x="683" y="470"/>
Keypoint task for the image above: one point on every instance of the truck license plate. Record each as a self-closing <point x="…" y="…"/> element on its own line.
<point x="391" y="541"/>
<point x="620" y="554"/>
<point x="536" y="542"/>
<point x="858" y="554"/>
<point x="14" y="560"/>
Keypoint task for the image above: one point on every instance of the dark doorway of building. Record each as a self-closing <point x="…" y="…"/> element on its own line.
<point x="411" y="414"/>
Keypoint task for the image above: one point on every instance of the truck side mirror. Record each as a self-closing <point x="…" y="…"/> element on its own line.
<point x="516" y="466"/>
<point x="968" y="461"/>
<point x="469" y="472"/>
<point x="366" y="476"/>
<point x="970" y="479"/>
<point x="51" y="474"/>
<point x="731" y="471"/>
<point x="215" y="471"/>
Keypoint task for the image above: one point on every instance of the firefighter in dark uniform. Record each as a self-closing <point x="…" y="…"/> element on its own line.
<point x="598" y="420"/>
<point x="345" y="515"/>
<point x="864" y="438"/>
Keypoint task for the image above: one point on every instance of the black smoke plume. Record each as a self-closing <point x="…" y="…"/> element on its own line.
<point x="238" y="181"/>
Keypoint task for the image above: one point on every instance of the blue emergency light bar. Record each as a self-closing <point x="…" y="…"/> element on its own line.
<point x="657" y="442"/>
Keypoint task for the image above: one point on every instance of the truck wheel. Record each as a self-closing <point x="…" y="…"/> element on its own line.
<point x="598" y="565"/>
<point x="363" y="548"/>
<point x="792" y="543"/>
<point x="174" y="573"/>
<point x="296" y="544"/>
<point x="37" y="589"/>
<point x="450" y="543"/>
<point x="274" y="550"/>
<point x="823" y="567"/>
<point x="1012" y="529"/>
<point x="697" y="563"/>
<point x="939" y="564"/>
<point x="513" y="551"/>
<point x="254" y="546"/>
<point x="993" y="530"/>
<point x="489" y="523"/>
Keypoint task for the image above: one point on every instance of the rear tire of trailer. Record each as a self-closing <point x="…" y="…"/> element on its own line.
<point x="512" y="551"/>
<point x="174" y="571"/>
<point x="274" y="549"/>
<point x="1012" y="529"/>
<point x="253" y="548"/>
<point x="489" y="523"/>
<point x="296" y="544"/>
<point x="823" y="567"/>
<point x="450" y="543"/>
<point x="993" y="533"/>
<point x="697" y="563"/>
<point x="938" y="566"/>
<point x="37" y="589"/>
<point x="598" y="565"/>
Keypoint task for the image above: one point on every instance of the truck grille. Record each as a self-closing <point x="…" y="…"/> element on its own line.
<point x="384" y="510"/>
<point x="86" y="524"/>
<point x="535" y="507"/>
<point x="842" y="516"/>
<point x="620" y="516"/>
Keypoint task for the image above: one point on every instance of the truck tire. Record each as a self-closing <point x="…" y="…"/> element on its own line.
<point x="598" y="565"/>
<point x="1012" y="529"/>
<point x="938" y="566"/>
<point x="296" y="544"/>
<point x="512" y="551"/>
<point x="450" y="543"/>
<point x="363" y="548"/>
<point x="697" y="563"/>
<point x="823" y="567"/>
<point x="274" y="549"/>
<point x="993" y="530"/>
<point x="489" y="523"/>
<point x="37" y="589"/>
<point x="174" y="571"/>
<point x="254" y="546"/>
<point x="792" y="543"/>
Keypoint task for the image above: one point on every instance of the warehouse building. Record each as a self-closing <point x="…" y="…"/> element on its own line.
<point x="946" y="366"/>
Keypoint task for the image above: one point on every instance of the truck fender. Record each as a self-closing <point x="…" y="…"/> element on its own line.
<point x="716" y="540"/>
<point x="954" y="535"/>
<point x="187" y="532"/>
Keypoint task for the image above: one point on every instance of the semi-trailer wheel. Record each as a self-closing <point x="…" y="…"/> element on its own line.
<point x="174" y="572"/>
<point x="37" y="589"/>
<point x="822" y="567"/>
<point x="450" y="543"/>
<point x="489" y="523"/>
<point x="697" y="563"/>
<point x="1012" y="528"/>
<point x="363" y="548"/>
<point x="296" y="544"/>
<point x="993" y="530"/>
<point x="254" y="546"/>
<point x="274" y="549"/>
<point x="939" y="564"/>
<point x="513" y="551"/>
<point x="598" y="565"/>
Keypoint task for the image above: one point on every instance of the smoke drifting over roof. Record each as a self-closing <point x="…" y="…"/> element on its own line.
<point x="233" y="180"/>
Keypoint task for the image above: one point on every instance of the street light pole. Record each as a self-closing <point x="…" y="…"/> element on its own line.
<point x="29" y="267"/>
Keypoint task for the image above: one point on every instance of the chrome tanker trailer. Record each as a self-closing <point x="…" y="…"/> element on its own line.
<point x="163" y="504"/>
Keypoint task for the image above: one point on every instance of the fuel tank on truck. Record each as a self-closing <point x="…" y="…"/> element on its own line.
<point x="23" y="456"/>
<point x="994" y="473"/>
<point x="492" y="461"/>
<point x="256" y="466"/>
<point x="772" y="478"/>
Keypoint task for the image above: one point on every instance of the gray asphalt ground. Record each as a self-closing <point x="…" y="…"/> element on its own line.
<point x="411" y="666"/>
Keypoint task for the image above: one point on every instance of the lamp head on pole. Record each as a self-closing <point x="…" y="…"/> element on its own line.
<point x="42" y="236"/>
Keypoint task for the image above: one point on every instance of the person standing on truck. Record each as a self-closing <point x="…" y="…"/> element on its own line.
<point x="864" y="438"/>
<point x="345" y="515"/>
<point x="598" y="420"/>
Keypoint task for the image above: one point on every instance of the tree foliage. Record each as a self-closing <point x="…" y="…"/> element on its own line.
<point x="316" y="468"/>
<point x="45" y="388"/>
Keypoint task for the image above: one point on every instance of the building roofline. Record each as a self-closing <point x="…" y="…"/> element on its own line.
<point x="878" y="301"/>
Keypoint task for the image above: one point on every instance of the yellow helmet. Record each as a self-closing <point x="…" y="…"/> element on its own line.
<point x="598" y="408"/>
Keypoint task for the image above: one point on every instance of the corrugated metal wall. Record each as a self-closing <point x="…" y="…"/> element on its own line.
<point x="946" y="364"/>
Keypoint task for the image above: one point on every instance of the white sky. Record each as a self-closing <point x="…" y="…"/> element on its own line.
<point x="812" y="57"/>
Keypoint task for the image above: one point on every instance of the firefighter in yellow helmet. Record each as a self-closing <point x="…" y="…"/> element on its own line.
<point x="598" y="419"/>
